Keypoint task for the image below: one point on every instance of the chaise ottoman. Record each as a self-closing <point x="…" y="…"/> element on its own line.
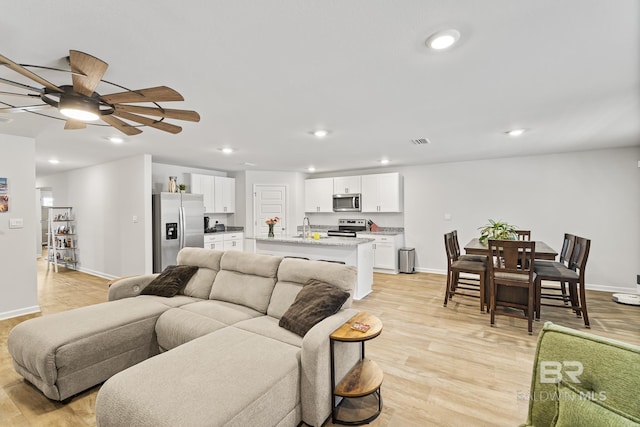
<point x="65" y="353"/>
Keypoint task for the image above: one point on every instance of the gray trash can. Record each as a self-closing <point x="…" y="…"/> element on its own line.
<point x="407" y="260"/>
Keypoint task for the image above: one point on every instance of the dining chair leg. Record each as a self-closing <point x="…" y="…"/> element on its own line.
<point x="583" y="305"/>
<point x="563" y="291"/>
<point x="447" y="289"/>
<point x="538" y="297"/>
<point x="492" y="302"/>
<point x="482" y="290"/>
<point x="530" y="310"/>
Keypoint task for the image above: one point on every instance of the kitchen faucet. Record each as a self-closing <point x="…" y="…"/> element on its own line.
<point x="306" y="227"/>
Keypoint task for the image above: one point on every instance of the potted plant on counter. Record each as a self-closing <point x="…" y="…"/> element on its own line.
<point x="497" y="230"/>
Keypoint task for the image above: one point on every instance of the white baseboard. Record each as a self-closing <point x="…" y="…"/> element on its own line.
<point x="19" y="312"/>
<point x="98" y="273"/>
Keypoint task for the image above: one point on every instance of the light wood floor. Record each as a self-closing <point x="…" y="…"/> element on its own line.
<point x="443" y="366"/>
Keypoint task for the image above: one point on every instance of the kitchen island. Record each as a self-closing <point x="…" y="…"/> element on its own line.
<point x="352" y="251"/>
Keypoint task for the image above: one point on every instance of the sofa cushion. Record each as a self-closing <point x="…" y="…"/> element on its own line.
<point x="250" y="381"/>
<point x="294" y="273"/>
<point x="575" y="409"/>
<point x="222" y="311"/>
<point x="209" y="262"/>
<point x="177" y="326"/>
<point x="246" y="278"/>
<point x="268" y="326"/>
<point x="315" y="302"/>
<point x="171" y="281"/>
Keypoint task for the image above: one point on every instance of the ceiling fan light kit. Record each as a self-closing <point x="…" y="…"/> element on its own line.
<point x="80" y="103"/>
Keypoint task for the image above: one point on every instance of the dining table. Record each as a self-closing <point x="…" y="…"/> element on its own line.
<point x="543" y="251"/>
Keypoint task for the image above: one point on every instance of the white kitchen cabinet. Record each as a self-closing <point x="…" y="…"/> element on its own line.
<point x="214" y="241"/>
<point x="204" y="184"/>
<point x="381" y="193"/>
<point x="219" y="192"/>
<point x="385" y="251"/>
<point x="224" y="241"/>
<point x="224" y="194"/>
<point x="346" y="185"/>
<point x="318" y="195"/>
<point x="233" y="241"/>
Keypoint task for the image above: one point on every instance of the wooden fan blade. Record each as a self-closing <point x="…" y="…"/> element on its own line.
<point x="28" y="95"/>
<point x="21" y="70"/>
<point x="75" y="124"/>
<point x="167" y="127"/>
<point x="152" y="94"/>
<point x="22" y="86"/>
<point x="123" y="127"/>
<point x="190" y="116"/>
<point x="25" y="109"/>
<point x="92" y="68"/>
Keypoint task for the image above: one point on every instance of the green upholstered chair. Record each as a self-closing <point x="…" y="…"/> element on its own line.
<point x="581" y="379"/>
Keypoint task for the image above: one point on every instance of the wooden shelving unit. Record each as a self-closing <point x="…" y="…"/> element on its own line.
<point x="365" y="378"/>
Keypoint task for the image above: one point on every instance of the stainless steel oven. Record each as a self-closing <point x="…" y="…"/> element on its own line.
<point x="346" y="203"/>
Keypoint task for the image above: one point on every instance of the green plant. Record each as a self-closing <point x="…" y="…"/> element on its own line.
<point x="497" y="230"/>
<point x="182" y="187"/>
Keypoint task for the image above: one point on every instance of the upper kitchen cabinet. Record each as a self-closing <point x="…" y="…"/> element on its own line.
<point x="318" y="195"/>
<point x="224" y="194"/>
<point x="203" y="184"/>
<point x="381" y="193"/>
<point x="219" y="192"/>
<point x="346" y="185"/>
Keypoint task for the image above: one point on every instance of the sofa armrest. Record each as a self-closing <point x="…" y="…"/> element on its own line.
<point x="315" y="381"/>
<point x="127" y="287"/>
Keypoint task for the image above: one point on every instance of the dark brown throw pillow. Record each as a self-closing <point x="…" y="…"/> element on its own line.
<point x="172" y="280"/>
<point x="315" y="302"/>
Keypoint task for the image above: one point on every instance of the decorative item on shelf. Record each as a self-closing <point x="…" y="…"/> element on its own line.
<point x="173" y="184"/>
<point x="182" y="188"/>
<point x="497" y="230"/>
<point x="270" y="223"/>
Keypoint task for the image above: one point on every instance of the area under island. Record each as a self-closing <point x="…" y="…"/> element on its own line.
<point x="350" y="250"/>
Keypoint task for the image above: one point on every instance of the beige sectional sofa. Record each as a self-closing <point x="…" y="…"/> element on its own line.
<point x="213" y="355"/>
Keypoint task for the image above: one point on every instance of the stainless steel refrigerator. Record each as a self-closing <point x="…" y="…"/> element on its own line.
<point x="177" y="223"/>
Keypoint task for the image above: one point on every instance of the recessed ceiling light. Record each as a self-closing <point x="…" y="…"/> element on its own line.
<point x="516" y="132"/>
<point x="311" y="169"/>
<point x="320" y="133"/>
<point x="227" y="150"/>
<point x="116" y="139"/>
<point x="384" y="161"/>
<point x="443" y="39"/>
<point x="54" y="161"/>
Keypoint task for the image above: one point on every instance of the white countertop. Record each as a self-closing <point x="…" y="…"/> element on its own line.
<point x="324" y="241"/>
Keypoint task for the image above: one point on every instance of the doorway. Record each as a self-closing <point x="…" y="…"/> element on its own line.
<point x="269" y="201"/>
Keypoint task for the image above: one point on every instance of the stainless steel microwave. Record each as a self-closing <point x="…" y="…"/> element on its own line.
<point x="346" y="203"/>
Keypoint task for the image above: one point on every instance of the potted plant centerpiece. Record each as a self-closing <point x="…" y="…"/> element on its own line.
<point x="497" y="230"/>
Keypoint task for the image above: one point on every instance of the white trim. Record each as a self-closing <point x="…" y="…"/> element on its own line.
<point x="19" y="312"/>
<point x="97" y="273"/>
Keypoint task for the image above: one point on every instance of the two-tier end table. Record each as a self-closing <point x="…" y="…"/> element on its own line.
<point x="365" y="378"/>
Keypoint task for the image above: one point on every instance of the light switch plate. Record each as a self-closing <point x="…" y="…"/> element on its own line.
<point x="16" y="223"/>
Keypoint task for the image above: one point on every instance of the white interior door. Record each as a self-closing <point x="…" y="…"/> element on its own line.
<point x="269" y="201"/>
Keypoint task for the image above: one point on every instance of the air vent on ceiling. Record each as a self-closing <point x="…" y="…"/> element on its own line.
<point x="420" y="141"/>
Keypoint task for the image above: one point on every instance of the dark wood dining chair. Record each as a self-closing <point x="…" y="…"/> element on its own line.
<point x="512" y="278"/>
<point x="573" y="275"/>
<point x="465" y="257"/>
<point x="551" y="290"/>
<point x="474" y="286"/>
<point x="524" y="235"/>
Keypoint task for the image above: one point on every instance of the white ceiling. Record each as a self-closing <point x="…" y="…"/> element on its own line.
<point x="263" y="74"/>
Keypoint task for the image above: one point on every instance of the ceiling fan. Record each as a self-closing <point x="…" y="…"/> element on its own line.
<point x="79" y="102"/>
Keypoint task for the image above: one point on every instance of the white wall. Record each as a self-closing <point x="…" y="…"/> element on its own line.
<point x="19" y="286"/>
<point x="105" y="199"/>
<point x="594" y="194"/>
